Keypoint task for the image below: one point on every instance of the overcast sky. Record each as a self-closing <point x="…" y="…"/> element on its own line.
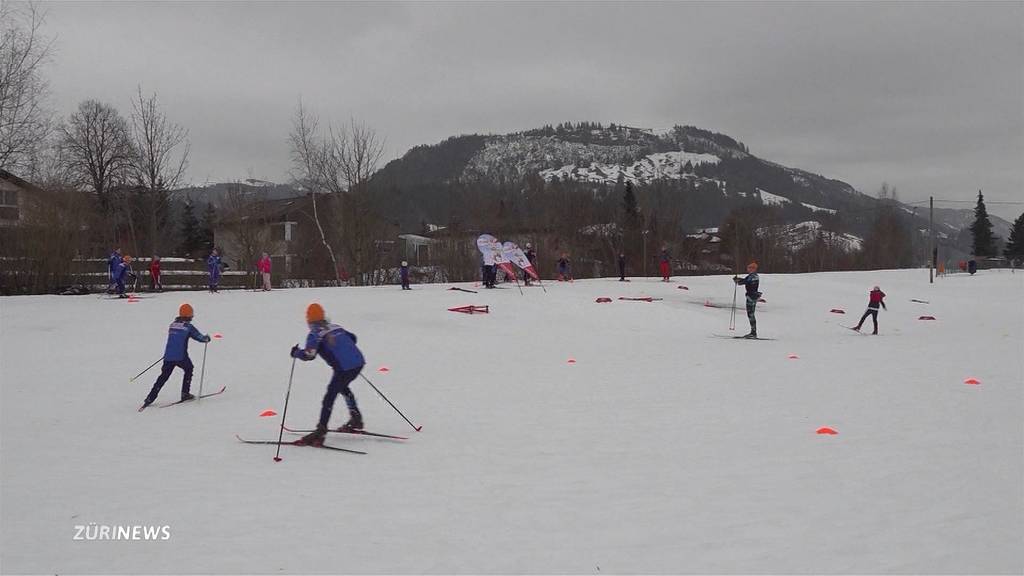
<point x="928" y="97"/>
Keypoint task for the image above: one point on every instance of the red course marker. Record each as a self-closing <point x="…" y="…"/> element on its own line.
<point x="602" y="300"/>
<point x="826" y="430"/>
<point x="266" y="413"/>
<point x="218" y="336"/>
<point x="972" y="381"/>
<point x="793" y="357"/>
<point x="383" y="369"/>
<point x="571" y="361"/>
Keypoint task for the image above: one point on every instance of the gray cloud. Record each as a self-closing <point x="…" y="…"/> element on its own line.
<point x="927" y="96"/>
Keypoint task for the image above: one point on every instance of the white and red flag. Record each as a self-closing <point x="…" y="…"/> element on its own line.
<point x="515" y="254"/>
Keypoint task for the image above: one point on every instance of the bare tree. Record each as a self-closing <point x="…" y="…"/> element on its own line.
<point x="24" y="117"/>
<point x="244" y="215"/>
<point x="358" y="153"/>
<point x="309" y="162"/>
<point x="98" y="152"/>
<point x="159" y="159"/>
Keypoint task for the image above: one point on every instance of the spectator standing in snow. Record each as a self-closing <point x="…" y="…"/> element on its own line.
<point x="665" y="264"/>
<point x="213" y="267"/>
<point x="403" y="272"/>
<point x="489" y="274"/>
<point x="154" y="274"/>
<point x="338" y="348"/>
<point x="751" y="282"/>
<point x="176" y="354"/>
<point x="622" y="266"/>
<point x="876" y="298"/>
<point x="263" y="265"/>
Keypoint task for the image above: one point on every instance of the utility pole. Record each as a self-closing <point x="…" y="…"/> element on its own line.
<point x="932" y="261"/>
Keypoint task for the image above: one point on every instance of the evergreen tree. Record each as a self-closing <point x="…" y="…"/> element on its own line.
<point x="191" y="234"/>
<point x="209" y="223"/>
<point x="1015" y="245"/>
<point x="981" y="230"/>
<point x="629" y="206"/>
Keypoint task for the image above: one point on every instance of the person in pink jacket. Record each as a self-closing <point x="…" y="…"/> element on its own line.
<point x="264" y="267"/>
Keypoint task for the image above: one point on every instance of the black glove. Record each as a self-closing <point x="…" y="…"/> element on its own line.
<point x="296" y="352"/>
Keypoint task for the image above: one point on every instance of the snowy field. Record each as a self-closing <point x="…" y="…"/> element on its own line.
<point x="662" y="449"/>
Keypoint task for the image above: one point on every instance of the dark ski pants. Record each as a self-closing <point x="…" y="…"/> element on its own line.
<point x="622" y="271"/>
<point x="751" y="305"/>
<point x="339" y="385"/>
<point x="873" y="312"/>
<point x="165" y="373"/>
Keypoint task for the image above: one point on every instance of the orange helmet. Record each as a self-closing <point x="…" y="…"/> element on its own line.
<point x="185" y="310"/>
<point x="314" y="313"/>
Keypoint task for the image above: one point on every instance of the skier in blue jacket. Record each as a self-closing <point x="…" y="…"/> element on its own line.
<point x="113" y="262"/>
<point x="213" y="266"/>
<point x="338" y="348"/>
<point x="122" y="272"/>
<point x="751" y="281"/>
<point x="176" y="354"/>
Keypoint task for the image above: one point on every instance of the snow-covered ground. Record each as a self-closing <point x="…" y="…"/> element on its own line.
<point x="662" y="449"/>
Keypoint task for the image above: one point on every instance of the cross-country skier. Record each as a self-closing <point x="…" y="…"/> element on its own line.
<point x="531" y="255"/>
<point x="154" y="274"/>
<point x="404" y="273"/>
<point x="622" y="266"/>
<point x="176" y="354"/>
<point x="338" y="348"/>
<point x="213" y="267"/>
<point x="563" y="268"/>
<point x="875" y="299"/>
<point x="751" y="281"/>
<point x="113" y="262"/>
<point x="122" y="273"/>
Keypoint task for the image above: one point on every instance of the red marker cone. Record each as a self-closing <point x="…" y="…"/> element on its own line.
<point x="793" y="357"/>
<point x="571" y="361"/>
<point x="972" y="381"/>
<point x="826" y="430"/>
<point x="266" y="413"/>
<point x="218" y="336"/>
<point x="383" y="369"/>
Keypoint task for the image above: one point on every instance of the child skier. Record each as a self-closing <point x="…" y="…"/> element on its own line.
<point x="122" y="273"/>
<point x="751" y="281"/>
<point x="113" y="265"/>
<point x="404" y="273"/>
<point x="531" y="255"/>
<point x="263" y="265"/>
<point x="875" y="299"/>
<point x="213" y="267"/>
<point x="622" y="266"/>
<point x="338" y="348"/>
<point x="665" y="264"/>
<point x="154" y="275"/>
<point x="176" y="354"/>
<point x="563" y="268"/>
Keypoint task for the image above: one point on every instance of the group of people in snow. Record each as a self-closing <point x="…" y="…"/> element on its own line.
<point x="120" y="274"/>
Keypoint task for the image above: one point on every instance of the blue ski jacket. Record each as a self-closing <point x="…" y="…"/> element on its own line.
<point x="751" y="282"/>
<point x="334" y="344"/>
<point x="177" y="339"/>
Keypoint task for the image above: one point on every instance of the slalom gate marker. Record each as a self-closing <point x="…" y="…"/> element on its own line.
<point x="471" y="309"/>
<point x="383" y="369"/>
<point x="266" y="413"/>
<point x="571" y="361"/>
<point x="603" y="300"/>
<point x="826" y="430"/>
<point x="793" y="357"/>
<point x="218" y="336"/>
<point x="837" y="311"/>
<point x="972" y="381"/>
<point x="926" y="318"/>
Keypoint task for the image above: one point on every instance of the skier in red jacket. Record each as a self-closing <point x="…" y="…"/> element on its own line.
<point x="875" y="299"/>
<point x="154" y="275"/>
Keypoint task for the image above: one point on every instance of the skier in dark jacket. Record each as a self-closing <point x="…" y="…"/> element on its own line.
<point x="176" y="354"/>
<point x="751" y="281"/>
<point x="876" y="298"/>
<point x="404" y="274"/>
<point x="531" y="255"/>
<point x="338" y="348"/>
<point x="622" y="266"/>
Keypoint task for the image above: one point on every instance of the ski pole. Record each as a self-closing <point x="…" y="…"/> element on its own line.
<point x="134" y="378"/>
<point x="415" y="427"/>
<point x="732" y="313"/>
<point x="277" y="457"/>
<point x="202" y="372"/>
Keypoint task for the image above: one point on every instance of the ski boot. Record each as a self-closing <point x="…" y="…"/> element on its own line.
<point x="354" y="424"/>
<point x="314" y="438"/>
<point x="751" y="336"/>
<point x="857" y="328"/>
<point x="187" y="396"/>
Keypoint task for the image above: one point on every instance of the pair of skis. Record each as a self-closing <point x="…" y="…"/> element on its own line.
<point x="335" y="448"/>
<point x="169" y="404"/>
